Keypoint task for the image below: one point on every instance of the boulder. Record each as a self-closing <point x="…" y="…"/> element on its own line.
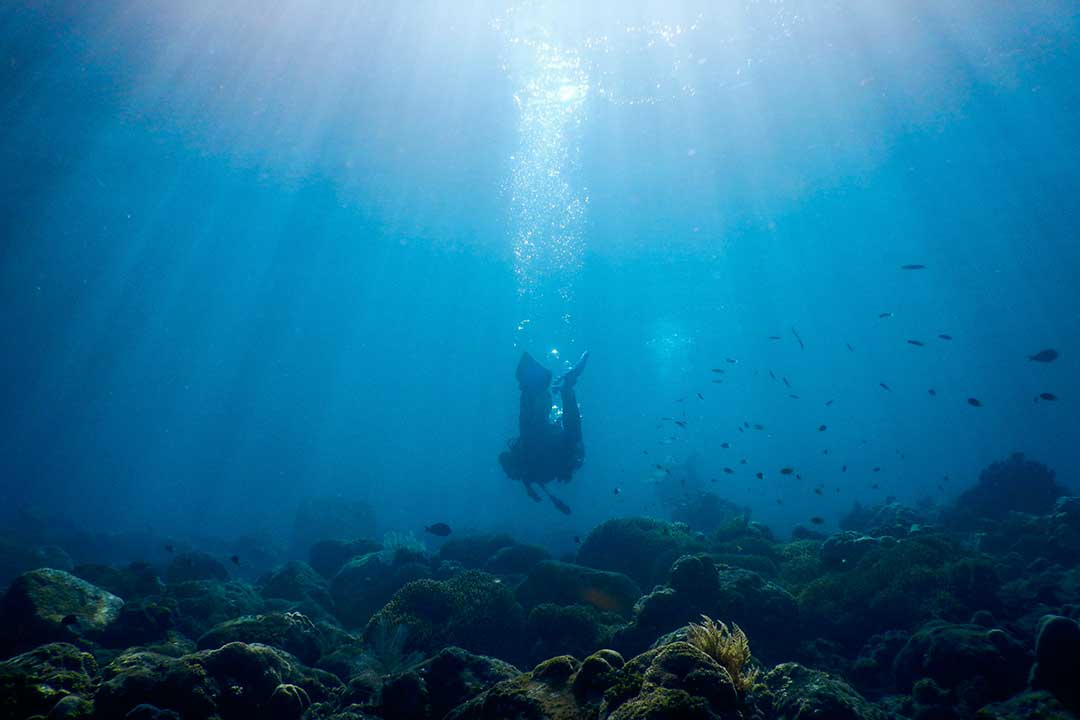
<point x="516" y="559"/>
<point x="297" y="581"/>
<point x="566" y="584"/>
<point x="366" y="583"/>
<point x="641" y="548"/>
<point x="1057" y="660"/>
<point x="474" y="551"/>
<point x="34" y="682"/>
<point x="292" y="632"/>
<point x="799" y="692"/>
<point x="195" y="566"/>
<point x="200" y="605"/>
<point x="326" y="557"/>
<point x="47" y="605"/>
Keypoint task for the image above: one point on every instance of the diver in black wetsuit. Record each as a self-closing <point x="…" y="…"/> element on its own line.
<point x="545" y="450"/>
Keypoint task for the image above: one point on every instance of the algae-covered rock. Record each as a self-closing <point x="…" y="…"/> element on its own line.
<point x="34" y="682"/>
<point x="976" y="665"/>
<point x="472" y="610"/>
<point x="204" y="604"/>
<point x="297" y="581"/>
<point x="365" y="584"/>
<point x="641" y="548"/>
<point x="326" y="557"/>
<point x="136" y="580"/>
<point x="566" y="584"/>
<point x="576" y="630"/>
<point x="516" y="559"/>
<point x="764" y="610"/>
<point x="292" y="632"/>
<point x="438" y="685"/>
<point x="1031" y="705"/>
<point x="237" y="681"/>
<point x="799" y="693"/>
<point x="1057" y="660"/>
<point x="47" y="605"/>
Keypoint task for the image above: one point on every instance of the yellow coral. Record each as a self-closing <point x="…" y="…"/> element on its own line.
<point x="728" y="646"/>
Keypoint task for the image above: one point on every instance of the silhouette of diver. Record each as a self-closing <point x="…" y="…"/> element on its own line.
<point x="545" y="450"/>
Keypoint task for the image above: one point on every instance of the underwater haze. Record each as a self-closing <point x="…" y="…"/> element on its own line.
<point x="512" y="359"/>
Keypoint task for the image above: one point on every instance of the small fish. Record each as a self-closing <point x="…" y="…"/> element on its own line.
<point x="823" y="428"/>
<point x="774" y="337"/>
<point x="817" y="520"/>
<point x="772" y="374"/>
<point x="718" y="382"/>
<point x="916" y="343"/>
<point x="759" y="475"/>
<point x="442" y="529"/>
<point x="719" y="370"/>
<point x="817" y="491"/>
<point x="876" y="469"/>
<point x="169" y="548"/>
<point x="742" y="461"/>
<point x="659" y="466"/>
<point x="884" y="315"/>
<point x="1048" y="396"/>
<point x="69" y="620"/>
<point x="798" y="476"/>
<point x="746" y="423"/>
<point x="729" y="471"/>
<point x="828" y="403"/>
<point x="793" y="396"/>
<point x="786" y="470"/>
<point x="725" y="445"/>
<point x="843" y="468"/>
<point x="943" y="336"/>
<point x="883" y="385"/>
<point x="1044" y="356"/>
<point x="912" y="267"/>
<point x="779" y="501"/>
<point x="848" y="346"/>
<point x="712" y="479"/>
<point x="758" y="427"/>
<point x="875" y="486"/>
<point x="974" y="402"/>
<point x="700" y="396"/>
<point x="681" y="423"/>
<point x="796" y="334"/>
<point x="933" y="392"/>
<point x="616" y="491"/>
<point x="825" y="451"/>
<point x="235" y="560"/>
<point x="730" y="361"/>
<point x="645" y="452"/>
<point x="786" y="383"/>
<point x="577" y="540"/>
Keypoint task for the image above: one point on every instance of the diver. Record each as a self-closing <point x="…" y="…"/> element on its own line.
<point x="545" y="450"/>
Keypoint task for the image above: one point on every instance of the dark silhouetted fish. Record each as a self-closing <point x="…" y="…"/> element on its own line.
<point x="786" y="470"/>
<point x="875" y="486"/>
<point x="772" y="374"/>
<point x="886" y="387"/>
<point x="774" y="337"/>
<point x="700" y="396"/>
<point x="823" y="428"/>
<point x="615" y="491"/>
<point x="884" y="315"/>
<point x="577" y="540"/>
<point x="932" y="392"/>
<point x="235" y="560"/>
<point x="1048" y="355"/>
<point x="746" y="423"/>
<point x="974" y="402"/>
<point x="916" y="343"/>
<point x="442" y="529"/>
<point x="758" y="427"/>
<point x="848" y="346"/>
<point x="730" y="360"/>
<point x="913" y="267"/>
<point x="729" y="471"/>
<point x="718" y="382"/>
<point x="793" y="396"/>
<point x="1048" y="396"/>
<point x="559" y="504"/>
<point x="817" y="520"/>
<point x="742" y="461"/>
<point x="877" y="469"/>
<point x="796" y="334"/>
<point x="817" y="491"/>
<point x="943" y="336"/>
<point x="759" y="475"/>
<point x="725" y="445"/>
<point x="828" y="403"/>
<point x="786" y="383"/>
<point x="719" y="370"/>
<point x="843" y="468"/>
<point x="169" y="547"/>
<point x="681" y="423"/>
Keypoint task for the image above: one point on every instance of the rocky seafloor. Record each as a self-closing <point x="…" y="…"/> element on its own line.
<point x="966" y="611"/>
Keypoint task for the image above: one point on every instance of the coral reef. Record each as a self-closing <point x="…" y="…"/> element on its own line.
<point x="641" y="548"/>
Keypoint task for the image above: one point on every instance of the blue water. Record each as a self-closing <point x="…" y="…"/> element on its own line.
<point x="254" y="255"/>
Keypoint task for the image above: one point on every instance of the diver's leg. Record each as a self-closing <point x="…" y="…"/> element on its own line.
<point x="571" y="423"/>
